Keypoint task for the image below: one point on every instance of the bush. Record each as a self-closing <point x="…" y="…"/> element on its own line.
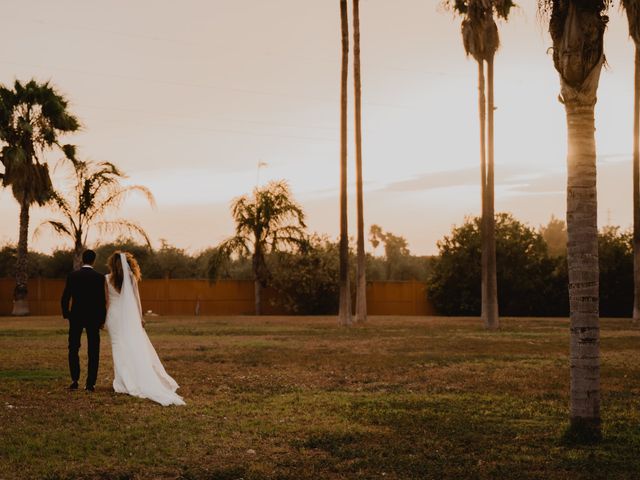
<point x="36" y="262"/>
<point x="615" y="251"/>
<point x="58" y="264"/>
<point x="308" y="282"/>
<point x="528" y="278"/>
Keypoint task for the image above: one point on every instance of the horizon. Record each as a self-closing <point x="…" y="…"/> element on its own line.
<point x="161" y="88"/>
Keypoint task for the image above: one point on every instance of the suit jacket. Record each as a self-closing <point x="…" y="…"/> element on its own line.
<point x="85" y="290"/>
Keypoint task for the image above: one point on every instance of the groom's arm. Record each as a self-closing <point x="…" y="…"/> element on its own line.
<point x="66" y="298"/>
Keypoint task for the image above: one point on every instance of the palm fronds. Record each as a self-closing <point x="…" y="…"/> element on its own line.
<point x="122" y="225"/>
<point x="267" y="221"/>
<point x="577" y="31"/>
<point x="32" y="118"/>
<point x="96" y="193"/>
<point x="479" y="30"/>
<point x="59" y="227"/>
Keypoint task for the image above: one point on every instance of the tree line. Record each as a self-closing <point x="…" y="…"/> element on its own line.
<point x="306" y="280"/>
<point x="531" y="268"/>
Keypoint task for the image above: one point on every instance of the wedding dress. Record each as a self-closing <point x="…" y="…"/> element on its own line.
<point x="136" y="367"/>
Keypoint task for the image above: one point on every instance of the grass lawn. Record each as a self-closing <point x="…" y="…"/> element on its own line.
<point x="300" y="398"/>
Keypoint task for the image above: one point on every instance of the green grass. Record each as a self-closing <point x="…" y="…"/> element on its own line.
<point x="300" y="398"/>
<point x="31" y="375"/>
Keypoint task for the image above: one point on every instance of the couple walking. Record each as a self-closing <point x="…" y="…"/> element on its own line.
<point x="89" y="301"/>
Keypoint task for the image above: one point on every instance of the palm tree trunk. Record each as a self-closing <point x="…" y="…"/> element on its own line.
<point x="77" y="259"/>
<point x="344" y="313"/>
<point x="257" y="286"/>
<point x="361" y="292"/>
<point x="582" y="256"/>
<point x="490" y="302"/>
<point x="257" y="290"/>
<point x="636" y="189"/>
<point x="482" y="106"/>
<point x="77" y="253"/>
<point x="20" y="293"/>
<point x="577" y="30"/>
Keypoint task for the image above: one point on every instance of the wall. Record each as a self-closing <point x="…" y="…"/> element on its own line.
<point x="228" y="297"/>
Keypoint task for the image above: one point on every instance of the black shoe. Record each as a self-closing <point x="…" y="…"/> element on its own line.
<point x="73" y="386"/>
<point x="90" y="388"/>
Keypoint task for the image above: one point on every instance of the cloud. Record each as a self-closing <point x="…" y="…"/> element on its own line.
<point x="443" y="179"/>
<point x="614" y="157"/>
<point x="611" y="168"/>
<point x="543" y="184"/>
<point x="461" y="177"/>
<point x="516" y="179"/>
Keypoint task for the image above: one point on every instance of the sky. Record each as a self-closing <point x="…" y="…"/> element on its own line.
<point x="189" y="97"/>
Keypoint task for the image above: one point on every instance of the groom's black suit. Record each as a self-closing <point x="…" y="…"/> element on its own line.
<point x="85" y="290"/>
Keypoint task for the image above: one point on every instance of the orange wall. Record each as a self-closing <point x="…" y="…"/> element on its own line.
<point x="228" y="297"/>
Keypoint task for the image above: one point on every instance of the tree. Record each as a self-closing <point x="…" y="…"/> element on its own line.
<point x="527" y="275"/>
<point x="577" y="31"/>
<point x="58" y="264"/>
<point x="344" y="311"/>
<point x="171" y="262"/>
<point x="632" y="7"/>
<point x="96" y="192"/>
<point x="307" y="281"/>
<point x="36" y="262"/>
<point x="555" y="234"/>
<point x="481" y="41"/>
<point x="395" y="248"/>
<point x="375" y="235"/>
<point x="267" y="222"/>
<point x="615" y="255"/>
<point x="218" y="264"/>
<point x="32" y="118"/>
<point x="361" y="276"/>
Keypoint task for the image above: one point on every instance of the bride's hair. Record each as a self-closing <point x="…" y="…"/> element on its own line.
<point x="115" y="268"/>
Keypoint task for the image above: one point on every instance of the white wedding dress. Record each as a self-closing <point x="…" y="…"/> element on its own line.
<point x="137" y="369"/>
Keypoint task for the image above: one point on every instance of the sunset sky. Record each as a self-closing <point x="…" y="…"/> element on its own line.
<point x="187" y="97"/>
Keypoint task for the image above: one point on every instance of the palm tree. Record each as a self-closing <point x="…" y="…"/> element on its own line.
<point x="632" y="7"/>
<point x="361" y="289"/>
<point x="577" y="31"/>
<point x="344" y="312"/>
<point x="32" y="118"/>
<point x="96" y="192"/>
<point x="265" y="223"/>
<point x="481" y="41"/>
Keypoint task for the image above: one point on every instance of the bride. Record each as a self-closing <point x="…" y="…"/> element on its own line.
<point x="136" y="367"/>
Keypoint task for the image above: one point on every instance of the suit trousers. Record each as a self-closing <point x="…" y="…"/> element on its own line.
<point x="93" y="350"/>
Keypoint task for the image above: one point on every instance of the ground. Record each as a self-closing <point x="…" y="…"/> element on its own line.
<point x="302" y="398"/>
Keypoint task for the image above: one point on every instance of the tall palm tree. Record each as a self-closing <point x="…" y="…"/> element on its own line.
<point x="96" y="192"/>
<point x="265" y="223"/>
<point x="632" y="7"/>
<point x="32" y="118"/>
<point x="344" y="311"/>
<point x="577" y="31"/>
<point x="481" y="41"/>
<point x="361" y="288"/>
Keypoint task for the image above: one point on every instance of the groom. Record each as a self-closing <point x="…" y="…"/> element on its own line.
<point x="85" y="289"/>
